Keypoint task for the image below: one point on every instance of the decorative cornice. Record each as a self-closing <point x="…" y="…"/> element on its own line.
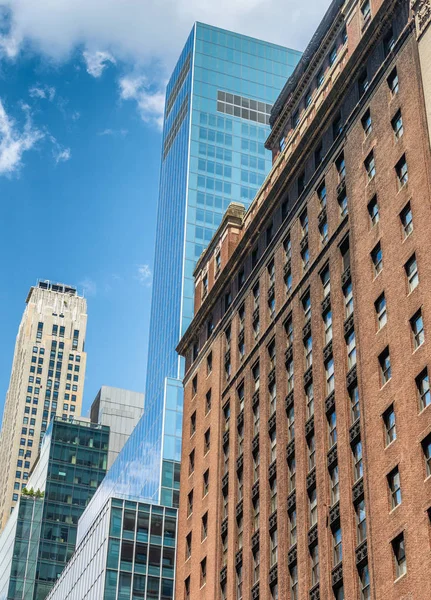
<point x="422" y="13"/>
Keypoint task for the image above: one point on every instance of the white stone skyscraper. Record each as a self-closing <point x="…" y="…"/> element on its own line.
<point x="47" y="379"/>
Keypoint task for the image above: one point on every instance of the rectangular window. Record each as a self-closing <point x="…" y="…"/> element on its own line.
<point x="373" y="211"/>
<point x="406" y="217"/>
<point x="385" y="366"/>
<point x="290" y="376"/>
<point x="273" y="445"/>
<point x="272" y="389"/>
<point x="337" y="126"/>
<point x="315" y="575"/>
<point x="364" y="583"/>
<point x="190" y="503"/>
<point x="402" y="171"/>
<point x="332" y="428"/>
<point x="357" y="461"/>
<point x="287" y="246"/>
<point x="206" y="483"/>
<point x="393" y="82"/>
<point x="207" y="402"/>
<point x="273" y="495"/>
<point x="327" y="319"/>
<point x="394" y="484"/>
<point x="306" y="305"/>
<point x="366" y="12"/>
<point x="273" y="548"/>
<point x="311" y="447"/>
<point x="388" y="42"/>
<point x="312" y="503"/>
<point x="203" y="571"/>
<point x="321" y="194"/>
<point x="293" y="581"/>
<point x="377" y="259"/>
<point x="340" y="165"/>
<point x="256" y="566"/>
<point x="305" y="257"/>
<point x="330" y="381"/>
<point x="370" y="166"/>
<point x="191" y="462"/>
<point x="399" y="553"/>
<point x="272" y="355"/>
<point x="333" y="55"/>
<point x="204" y="526"/>
<point x="426" y="447"/>
<point x="207" y="440"/>
<point x="389" y="422"/>
<point x="309" y="395"/>
<point x="290" y="424"/>
<point x="417" y="326"/>
<point x="337" y="545"/>
<point x="335" y="485"/>
<point x="326" y="281"/>
<point x="351" y="350"/>
<point x="308" y="350"/>
<point x="363" y="83"/>
<point x="292" y="527"/>
<point x="193" y="424"/>
<point x="291" y="466"/>
<point x="380" y="307"/>
<point x="366" y="122"/>
<point x="320" y="78"/>
<point x="324" y="232"/>
<point x="397" y="125"/>
<point x="423" y="387"/>
<point x="411" y="269"/>
<point x="304" y="223"/>
<point x="288" y="327"/>
<point x="361" y="522"/>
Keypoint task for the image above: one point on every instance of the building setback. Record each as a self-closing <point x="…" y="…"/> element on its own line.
<point x="47" y="379"/>
<point x="306" y="456"/>
<point x="40" y="535"/>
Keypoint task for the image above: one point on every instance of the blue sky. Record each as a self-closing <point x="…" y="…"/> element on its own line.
<point x="81" y="99"/>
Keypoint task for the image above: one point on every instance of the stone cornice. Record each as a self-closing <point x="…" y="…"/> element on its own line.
<point x="422" y="14"/>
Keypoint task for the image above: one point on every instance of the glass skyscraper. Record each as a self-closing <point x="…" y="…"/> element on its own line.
<point x="218" y="102"/>
<point x="216" y="121"/>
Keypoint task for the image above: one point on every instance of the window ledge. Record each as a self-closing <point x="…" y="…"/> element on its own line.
<point x="400" y="577"/>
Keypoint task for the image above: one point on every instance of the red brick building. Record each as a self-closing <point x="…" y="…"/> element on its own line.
<point x="306" y="460"/>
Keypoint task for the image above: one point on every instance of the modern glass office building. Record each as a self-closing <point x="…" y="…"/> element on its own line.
<point x="218" y="102"/>
<point x="40" y="535"/>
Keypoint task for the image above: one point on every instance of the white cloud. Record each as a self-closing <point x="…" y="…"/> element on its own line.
<point x="114" y="132"/>
<point x="144" y="275"/>
<point x="43" y="92"/>
<point x="143" y="30"/>
<point x="89" y="287"/>
<point x="60" y="153"/>
<point x="150" y="101"/>
<point x="15" y="141"/>
<point x="97" y="62"/>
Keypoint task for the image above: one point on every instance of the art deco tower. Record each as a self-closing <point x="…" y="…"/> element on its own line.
<point x="47" y="379"/>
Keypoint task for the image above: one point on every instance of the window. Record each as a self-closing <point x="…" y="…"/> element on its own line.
<point x="188" y="545"/>
<point x="256" y="465"/>
<point x="389" y="422"/>
<point x="304" y="223"/>
<point x="273" y="547"/>
<point x="207" y="402"/>
<point x="309" y="395"/>
<point x="322" y="195"/>
<point x="290" y="376"/>
<point x="340" y="165"/>
<point x="397" y="125"/>
<point x="366" y="122"/>
<point x="361" y="521"/>
<point x="256" y="296"/>
<point x="411" y="270"/>
<point x="351" y="350"/>
<point x="209" y="363"/>
<point x="399" y="552"/>
<point x="417" y="326"/>
<point x="203" y="572"/>
<point x="274" y="591"/>
<point x="290" y="424"/>
<point x="329" y="369"/>
<point x="364" y="583"/>
<point x="388" y="42"/>
<point x="305" y="257"/>
<point x="402" y="171"/>
<point x="288" y="327"/>
<point x="327" y="320"/>
<point x="423" y="387"/>
<point x="193" y="424"/>
<point x="256" y="566"/>
<point x="256" y="419"/>
<point x="326" y="281"/>
<point x="308" y="98"/>
<point x="320" y="78"/>
<point x="357" y="461"/>
<point x="370" y="166"/>
<point x="288" y="281"/>
<point x="311" y="447"/>
<point x="239" y="531"/>
<point x="292" y="527"/>
<point x="406" y="217"/>
<point x="272" y="398"/>
<point x="342" y="203"/>
<point x="272" y="354"/>
<point x="385" y="366"/>
<point x="366" y="12"/>
<point x="337" y="545"/>
<point x="273" y="442"/>
<point x="394" y="484"/>
<point x="256" y="376"/>
<point x="206" y="483"/>
<point x="207" y="440"/>
<point x="426" y="447"/>
<point x="273" y="494"/>
<point x="333" y="55"/>
<point x="293" y="581"/>
<point x="377" y="259"/>
<point x="204" y="285"/>
<point x="271" y="273"/>
<point x="314" y="554"/>
<point x="195" y="385"/>
<point x="332" y="428"/>
<point x="191" y="462"/>
<point x="190" y="503"/>
<point x="287" y="245"/>
<point x="324" y="232"/>
<point x="217" y="262"/>
<point x="393" y="82"/>
<point x="256" y="514"/>
<point x="363" y="83"/>
<point x="291" y="466"/>
<point x="239" y="583"/>
<point x="306" y="305"/>
<point x="337" y="126"/>
<point x="380" y="306"/>
<point x="227" y="300"/>
<point x="373" y="211"/>
<point x="308" y="348"/>
<point x="335" y="485"/>
<point x="240" y="439"/>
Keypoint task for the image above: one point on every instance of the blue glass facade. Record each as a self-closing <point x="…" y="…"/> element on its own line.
<point x="216" y="121"/>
